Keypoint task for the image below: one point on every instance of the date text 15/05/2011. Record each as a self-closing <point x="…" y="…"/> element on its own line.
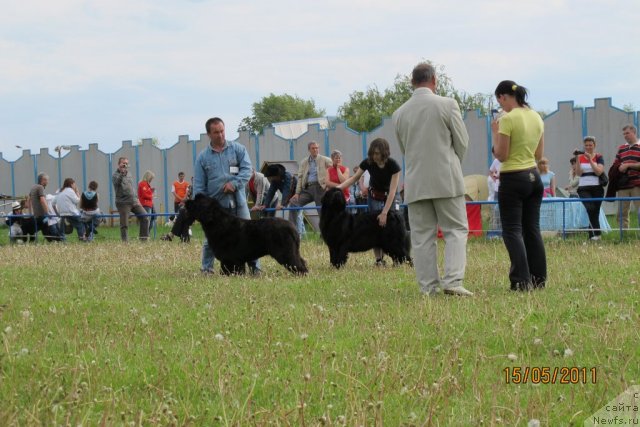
<point x="550" y="375"/>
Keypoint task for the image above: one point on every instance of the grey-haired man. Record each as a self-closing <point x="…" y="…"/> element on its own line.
<point x="312" y="179"/>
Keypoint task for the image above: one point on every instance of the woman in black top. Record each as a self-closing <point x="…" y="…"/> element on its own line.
<point x="384" y="173"/>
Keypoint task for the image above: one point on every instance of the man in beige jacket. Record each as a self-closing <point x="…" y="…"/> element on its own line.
<point x="433" y="139"/>
<point x="312" y="180"/>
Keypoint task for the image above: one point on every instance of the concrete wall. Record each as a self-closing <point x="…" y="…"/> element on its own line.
<point x="564" y="130"/>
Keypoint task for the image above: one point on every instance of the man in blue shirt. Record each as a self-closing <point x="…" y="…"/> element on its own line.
<point x="222" y="171"/>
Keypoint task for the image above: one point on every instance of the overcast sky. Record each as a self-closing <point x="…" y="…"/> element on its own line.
<point x="78" y="72"/>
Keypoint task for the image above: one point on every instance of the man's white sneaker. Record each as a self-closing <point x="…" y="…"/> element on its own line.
<point x="458" y="290"/>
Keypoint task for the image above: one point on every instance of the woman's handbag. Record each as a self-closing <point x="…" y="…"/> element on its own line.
<point x="603" y="179"/>
<point x="68" y="226"/>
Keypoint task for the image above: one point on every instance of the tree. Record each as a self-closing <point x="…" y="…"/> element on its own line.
<point x="364" y="110"/>
<point x="278" y="108"/>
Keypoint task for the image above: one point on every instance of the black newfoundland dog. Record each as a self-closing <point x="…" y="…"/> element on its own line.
<point x="236" y="241"/>
<point x="344" y="232"/>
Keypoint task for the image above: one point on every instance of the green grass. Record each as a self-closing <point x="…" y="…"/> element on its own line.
<point x="132" y="334"/>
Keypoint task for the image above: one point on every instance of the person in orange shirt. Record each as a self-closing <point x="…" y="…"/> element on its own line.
<point x="179" y="190"/>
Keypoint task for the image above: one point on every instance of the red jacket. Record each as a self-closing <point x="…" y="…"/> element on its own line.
<point x="145" y="194"/>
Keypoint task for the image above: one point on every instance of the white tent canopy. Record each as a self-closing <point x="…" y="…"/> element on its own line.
<point x="293" y="129"/>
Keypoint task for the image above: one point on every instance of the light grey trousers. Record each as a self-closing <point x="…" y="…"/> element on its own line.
<point x="313" y="193"/>
<point x="425" y="216"/>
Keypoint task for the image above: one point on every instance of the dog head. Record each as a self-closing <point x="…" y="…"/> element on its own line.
<point x="333" y="201"/>
<point x="202" y="208"/>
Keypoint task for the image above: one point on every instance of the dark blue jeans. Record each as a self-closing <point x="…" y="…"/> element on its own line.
<point x="76" y="223"/>
<point x="593" y="208"/>
<point x="519" y="198"/>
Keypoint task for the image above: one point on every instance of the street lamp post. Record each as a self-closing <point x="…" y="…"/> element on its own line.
<point x="59" y="149"/>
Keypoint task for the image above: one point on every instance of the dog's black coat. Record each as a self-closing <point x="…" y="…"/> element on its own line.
<point x="344" y="232"/>
<point x="236" y="241"/>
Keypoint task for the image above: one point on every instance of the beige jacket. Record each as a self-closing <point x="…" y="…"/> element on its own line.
<point x="322" y="163"/>
<point x="433" y="139"/>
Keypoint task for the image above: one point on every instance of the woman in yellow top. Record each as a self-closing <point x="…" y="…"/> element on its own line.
<point x="518" y="139"/>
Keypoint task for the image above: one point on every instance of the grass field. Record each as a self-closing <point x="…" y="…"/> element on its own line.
<point x="132" y="334"/>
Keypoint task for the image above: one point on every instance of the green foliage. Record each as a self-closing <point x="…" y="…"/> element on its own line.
<point x="365" y="110"/>
<point x="278" y="108"/>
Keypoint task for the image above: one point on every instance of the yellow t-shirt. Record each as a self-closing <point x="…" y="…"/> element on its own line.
<point x="525" y="127"/>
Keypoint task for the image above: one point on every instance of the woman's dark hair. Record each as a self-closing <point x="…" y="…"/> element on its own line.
<point x="382" y="146"/>
<point x="68" y="183"/>
<point x="509" y="87"/>
<point x="93" y="186"/>
<point x="275" y="170"/>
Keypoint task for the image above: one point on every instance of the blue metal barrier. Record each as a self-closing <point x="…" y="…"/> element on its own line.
<point x="563" y="229"/>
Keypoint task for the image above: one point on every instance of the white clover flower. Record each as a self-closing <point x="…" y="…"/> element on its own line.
<point x="218" y="337"/>
<point x="537" y="341"/>
<point x="533" y="423"/>
<point x="568" y="352"/>
<point x="303" y="337"/>
<point x="512" y="357"/>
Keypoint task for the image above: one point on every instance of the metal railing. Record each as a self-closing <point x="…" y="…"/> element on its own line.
<point x="563" y="229"/>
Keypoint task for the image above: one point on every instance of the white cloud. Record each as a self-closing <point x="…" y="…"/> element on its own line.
<point x="118" y="69"/>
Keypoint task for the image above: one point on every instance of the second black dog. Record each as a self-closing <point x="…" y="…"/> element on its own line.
<point x="236" y="241"/>
<point x="344" y="232"/>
